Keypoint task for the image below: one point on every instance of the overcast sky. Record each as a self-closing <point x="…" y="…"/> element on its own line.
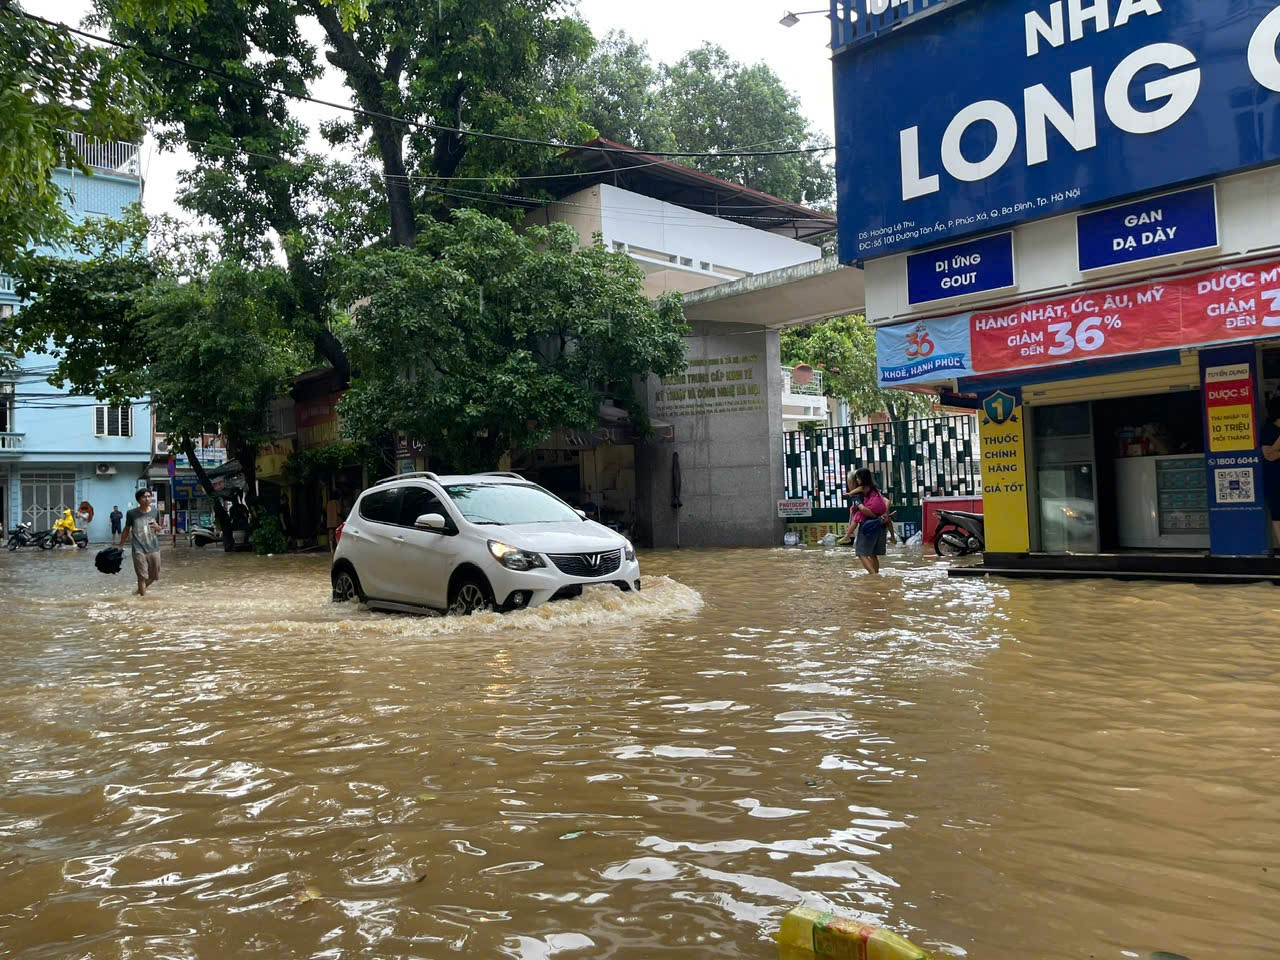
<point x="748" y="29"/>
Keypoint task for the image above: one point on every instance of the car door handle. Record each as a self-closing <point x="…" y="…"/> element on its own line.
<point x="397" y="539"/>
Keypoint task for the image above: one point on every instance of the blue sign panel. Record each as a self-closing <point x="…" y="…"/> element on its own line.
<point x="936" y="349"/>
<point x="1237" y="512"/>
<point x="975" y="266"/>
<point x="1023" y="109"/>
<point x="1145" y="229"/>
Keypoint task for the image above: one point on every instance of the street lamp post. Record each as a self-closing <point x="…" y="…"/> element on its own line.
<point x="790" y="19"/>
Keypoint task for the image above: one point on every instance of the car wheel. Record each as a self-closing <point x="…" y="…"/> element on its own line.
<point x="470" y="595"/>
<point x="346" y="586"/>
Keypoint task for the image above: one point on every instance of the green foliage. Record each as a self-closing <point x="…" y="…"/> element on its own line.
<point x="622" y="95"/>
<point x="83" y="309"/>
<point x="706" y="101"/>
<point x="50" y="87"/>
<point x="268" y="536"/>
<point x="303" y="466"/>
<point x="845" y="350"/>
<point x="481" y="340"/>
<point x="220" y="349"/>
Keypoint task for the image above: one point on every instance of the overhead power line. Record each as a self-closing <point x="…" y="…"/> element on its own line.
<point x="417" y="124"/>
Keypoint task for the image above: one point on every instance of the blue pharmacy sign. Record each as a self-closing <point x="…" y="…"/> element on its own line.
<point x="1181" y="222"/>
<point x="974" y="266"/>
<point x="1237" y="513"/>
<point x="936" y="349"/>
<point x="1021" y="109"/>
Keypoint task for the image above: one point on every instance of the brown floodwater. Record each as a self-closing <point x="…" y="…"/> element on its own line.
<point x="234" y="766"/>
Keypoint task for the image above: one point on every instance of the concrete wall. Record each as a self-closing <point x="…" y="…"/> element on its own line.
<point x="728" y="432"/>
<point x="678" y="248"/>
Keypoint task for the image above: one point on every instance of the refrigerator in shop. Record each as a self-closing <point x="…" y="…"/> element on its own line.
<point x="1163" y="502"/>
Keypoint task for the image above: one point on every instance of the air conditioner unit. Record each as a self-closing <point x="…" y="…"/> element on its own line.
<point x="105" y="470"/>
<point x="161" y="447"/>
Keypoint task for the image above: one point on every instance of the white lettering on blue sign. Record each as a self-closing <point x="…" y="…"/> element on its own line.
<point x="1054" y="32"/>
<point x="1169" y="97"/>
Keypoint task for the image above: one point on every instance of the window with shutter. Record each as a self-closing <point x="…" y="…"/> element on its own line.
<point x="99" y="421"/>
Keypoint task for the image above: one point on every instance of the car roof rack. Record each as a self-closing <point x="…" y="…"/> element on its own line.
<point x="503" y="473"/>
<point x="419" y="474"/>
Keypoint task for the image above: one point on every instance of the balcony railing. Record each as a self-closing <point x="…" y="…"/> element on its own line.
<point x="856" y="21"/>
<point x="813" y="388"/>
<point x="109" y="156"/>
<point x="11" y="443"/>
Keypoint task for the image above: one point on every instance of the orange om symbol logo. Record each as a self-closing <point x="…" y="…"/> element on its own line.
<point x="919" y="344"/>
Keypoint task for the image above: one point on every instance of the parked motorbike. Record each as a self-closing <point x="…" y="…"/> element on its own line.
<point x="23" y="535"/>
<point x="202" y="537"/>
<point x="959" y="534"/>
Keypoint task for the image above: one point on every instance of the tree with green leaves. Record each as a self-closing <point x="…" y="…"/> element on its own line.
<point x="209" y="341"/>
<point x="708" y="102"/>
<point x="52" y="87"/>
<point x="226" y="80"/>
<point x="480" y="340"/>
<point x="844" y="349"/>
<point x="622" y="95"/>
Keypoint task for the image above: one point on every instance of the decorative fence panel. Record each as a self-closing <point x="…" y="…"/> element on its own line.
<point x="911" y="459"/>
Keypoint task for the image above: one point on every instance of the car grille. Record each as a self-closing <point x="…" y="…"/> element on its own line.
<point x="587" y="564"/>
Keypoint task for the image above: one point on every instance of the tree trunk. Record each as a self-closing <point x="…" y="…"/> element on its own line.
<point x="220" y="511"/>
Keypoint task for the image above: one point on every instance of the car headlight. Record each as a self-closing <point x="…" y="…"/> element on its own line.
<point x="629" y="550"/>
<point x="513" y="558"/>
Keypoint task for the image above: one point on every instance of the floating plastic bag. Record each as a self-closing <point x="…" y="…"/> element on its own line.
<point x="829" y="540"/>
<point x="791" y="539"/>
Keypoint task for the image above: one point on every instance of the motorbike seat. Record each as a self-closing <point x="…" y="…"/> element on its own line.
<point x="959" y="515"/>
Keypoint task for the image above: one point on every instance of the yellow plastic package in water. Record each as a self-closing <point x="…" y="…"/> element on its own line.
<point x="808" y="933"/>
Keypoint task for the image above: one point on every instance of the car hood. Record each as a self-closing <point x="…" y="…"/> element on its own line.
<point x="571" y="536"/>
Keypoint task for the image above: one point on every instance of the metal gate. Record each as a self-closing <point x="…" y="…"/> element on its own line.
<point x="911" y="459"/>
<point x="45" y="496"/>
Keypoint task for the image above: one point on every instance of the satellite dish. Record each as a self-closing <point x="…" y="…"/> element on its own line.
<point x="801" y="374"/>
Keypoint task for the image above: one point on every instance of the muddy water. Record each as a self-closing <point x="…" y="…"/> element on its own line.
<point x="236" y="767"/>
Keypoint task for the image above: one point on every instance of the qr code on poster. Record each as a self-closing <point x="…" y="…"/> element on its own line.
<point x="1234" y="486"/>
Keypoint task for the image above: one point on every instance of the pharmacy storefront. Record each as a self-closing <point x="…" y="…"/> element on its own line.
<point x="1080" y="236"/>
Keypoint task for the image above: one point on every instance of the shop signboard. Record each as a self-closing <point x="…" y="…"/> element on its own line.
<point x="1237" y="516"/>
<point x="936" y="349"/>
<point x="984" y="265"/>
<point x="209" y="455"/>
<point x="1218" y="306"/>
<point x="795" y="508"/>
<point x="317" y="421"/>
<point x="1182" y="222"/>
<point x="1024" y="109"/>
<point x="1004" y="472"/>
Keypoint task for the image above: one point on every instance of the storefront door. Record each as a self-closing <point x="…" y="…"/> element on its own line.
<point x="1066" y="478"/>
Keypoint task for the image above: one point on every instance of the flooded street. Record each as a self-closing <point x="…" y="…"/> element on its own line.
<point x="234" y="766"/>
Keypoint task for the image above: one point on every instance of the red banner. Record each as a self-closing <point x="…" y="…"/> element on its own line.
<point x="1234" y="303"/>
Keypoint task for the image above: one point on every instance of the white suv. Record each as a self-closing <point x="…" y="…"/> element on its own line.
<point x="420" y="542"/>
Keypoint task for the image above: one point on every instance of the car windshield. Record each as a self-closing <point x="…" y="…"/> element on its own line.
<point x="507" y="503"/>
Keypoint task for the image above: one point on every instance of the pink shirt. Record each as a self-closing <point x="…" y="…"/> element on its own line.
<point x="875" y="503"/>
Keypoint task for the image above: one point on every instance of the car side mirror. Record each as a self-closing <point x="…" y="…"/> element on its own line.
<point x="430" y="521"/>
<point x="581" y="513"/>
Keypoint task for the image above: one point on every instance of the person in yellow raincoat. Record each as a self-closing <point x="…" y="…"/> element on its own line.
<point x="65" y="528"/>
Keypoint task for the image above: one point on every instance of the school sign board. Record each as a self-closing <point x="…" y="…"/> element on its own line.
<point x="990" y="113"/>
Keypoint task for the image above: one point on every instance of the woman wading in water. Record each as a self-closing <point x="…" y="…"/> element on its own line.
<point x="871" y="520"/>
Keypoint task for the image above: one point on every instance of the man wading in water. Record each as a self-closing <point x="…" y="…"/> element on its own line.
<point x="140" y="532"/>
